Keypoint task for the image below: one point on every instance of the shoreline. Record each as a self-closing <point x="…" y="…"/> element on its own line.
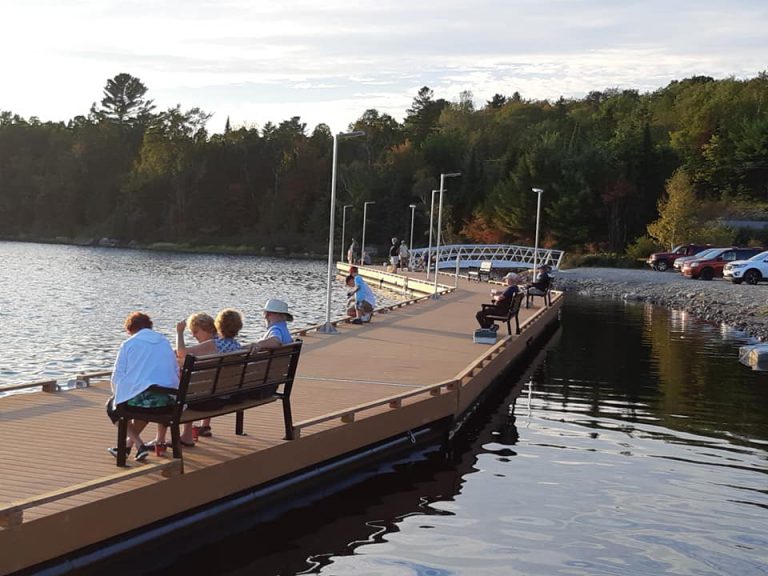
<point x="740" y="306"/>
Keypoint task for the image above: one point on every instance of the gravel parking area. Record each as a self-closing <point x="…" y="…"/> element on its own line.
<point x="738" y="305"/>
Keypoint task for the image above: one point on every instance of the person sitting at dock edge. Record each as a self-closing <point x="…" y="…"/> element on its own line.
<point x="501" y="302"/>
<point x="276" y="316"/>
<point x="144" y="360"/>
<point x="362" y="300"/>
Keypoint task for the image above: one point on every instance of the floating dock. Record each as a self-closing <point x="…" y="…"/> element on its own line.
<point x="413" y="368"/>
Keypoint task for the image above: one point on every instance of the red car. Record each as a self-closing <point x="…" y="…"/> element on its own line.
<point x="662" y="261"/>
<point x="713" y="265"/>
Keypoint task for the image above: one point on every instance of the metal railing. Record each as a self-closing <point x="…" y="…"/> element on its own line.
<point x="472" y="255"/>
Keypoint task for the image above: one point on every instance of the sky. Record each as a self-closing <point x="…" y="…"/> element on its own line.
<point x="327" y="61"/>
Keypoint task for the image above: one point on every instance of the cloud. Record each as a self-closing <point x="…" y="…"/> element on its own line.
<point x="331" y="61"/>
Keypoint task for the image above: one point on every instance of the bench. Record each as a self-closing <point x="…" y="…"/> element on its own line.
<point x="485" y="269"/>
<point x="514" y="311"/>
<point x="220" y="384"/>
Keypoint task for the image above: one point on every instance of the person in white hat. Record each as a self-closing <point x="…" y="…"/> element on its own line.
<point x="276" y="316"/>
<point x="501" y="301"/>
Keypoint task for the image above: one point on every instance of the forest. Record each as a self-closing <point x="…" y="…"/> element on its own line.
<point x="619" y="169"/>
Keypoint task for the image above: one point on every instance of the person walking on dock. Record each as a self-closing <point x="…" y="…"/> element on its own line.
<point x="144" y="361"/>
<point x="404" y="255"/>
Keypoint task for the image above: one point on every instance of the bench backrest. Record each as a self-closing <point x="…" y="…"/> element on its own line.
<point x="485" y="266"/>
<point x="517" y="301"/>
<point x="216" y="375"/>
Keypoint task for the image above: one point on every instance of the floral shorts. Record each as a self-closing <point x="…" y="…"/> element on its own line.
<point x="151" y="399"/>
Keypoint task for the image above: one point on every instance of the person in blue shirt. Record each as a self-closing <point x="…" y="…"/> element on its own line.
<point x="276" y="317"/>
<point x="362" y="300"/>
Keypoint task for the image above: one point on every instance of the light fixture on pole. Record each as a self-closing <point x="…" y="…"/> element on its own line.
<point x="410" y="246"/>
<point x="431" y="212"/>
<point x="435" y="295"/>
<point x="365" y="218"/>
<point x="328" y="328"/>
<point x="343" y="228"/>
<point x="538" y="191"/>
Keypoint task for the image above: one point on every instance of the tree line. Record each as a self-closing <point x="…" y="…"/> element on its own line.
<point x="610" y="165"/>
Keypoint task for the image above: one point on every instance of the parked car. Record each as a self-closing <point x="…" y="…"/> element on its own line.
<point x="662" y="261"/>
<point x="678" y="265"/>
<point x="750" y="271"/>
<point x="712" y="266"/>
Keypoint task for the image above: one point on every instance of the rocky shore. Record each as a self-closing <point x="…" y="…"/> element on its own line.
<point x="740" y="306"/>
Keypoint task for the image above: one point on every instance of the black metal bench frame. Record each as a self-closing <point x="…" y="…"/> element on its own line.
<point x="545" y="294"/>
<point x="220" y="384"/>
<point x="513" y="312"/>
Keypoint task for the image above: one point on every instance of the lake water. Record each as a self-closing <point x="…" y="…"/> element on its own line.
<point x="63" y="307"/>
<point x="634" y="444"/>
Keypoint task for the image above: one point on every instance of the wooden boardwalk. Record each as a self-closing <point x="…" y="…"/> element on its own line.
<point x="53" y="441"/>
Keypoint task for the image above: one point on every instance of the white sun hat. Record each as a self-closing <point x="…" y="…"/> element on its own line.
<point x="278" y="307"/>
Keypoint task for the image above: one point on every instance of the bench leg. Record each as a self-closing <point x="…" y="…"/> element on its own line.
<point x="509" y="327"/>
<point x="288" y="417"/>
<point x="239" y="421"/>
<point x="176" y="440"/>
<point x="122" y="432"/>
<point x="517" y="325"/>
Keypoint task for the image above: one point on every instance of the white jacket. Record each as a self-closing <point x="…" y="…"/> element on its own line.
<point x="144" y="359"/>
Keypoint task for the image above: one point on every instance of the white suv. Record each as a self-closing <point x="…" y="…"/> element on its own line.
<point x="750" y="271"/>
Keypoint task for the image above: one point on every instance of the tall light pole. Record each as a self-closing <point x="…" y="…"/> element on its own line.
<point x="435" y="295"/>
<point x="538" y="191"/>
<point x="343" y="228"/>
<point x="410" y="246"/>
<point x="365" y="218"/>
<point x="431" y="212"/>
<point x="328" y="328"/>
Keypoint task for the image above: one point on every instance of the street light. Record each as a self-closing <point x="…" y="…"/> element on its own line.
<point x="365" y="218"/>
<point x="413" y="213"/>
<point x="431" y="212"/>
<point x="343" y="228"/>
<point x="538" y="191"/>
<point x="328" y="328"/>
<point x="435" y="295"/>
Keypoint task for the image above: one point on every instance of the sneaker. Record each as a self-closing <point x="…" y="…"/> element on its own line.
<point x="113" y="451"/>
<point x="494" y="328"/>
<point x="141" y="453"/>
<point x="357" y="321"/>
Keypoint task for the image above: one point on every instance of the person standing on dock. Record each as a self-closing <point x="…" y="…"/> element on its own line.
<point x="353" y="252"/>
<point x="394" y="255"/>
<point x="501" y="302"/>
<point x="404" y="255"/>
<point x="144" y="361"/>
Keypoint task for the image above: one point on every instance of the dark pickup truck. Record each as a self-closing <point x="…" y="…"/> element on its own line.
<point x="662" y="261"/>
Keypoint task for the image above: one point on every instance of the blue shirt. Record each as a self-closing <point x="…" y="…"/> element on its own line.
<point x="280" y="331"/>
<point x="364" y="292"/>
<point x="226" y="344"/>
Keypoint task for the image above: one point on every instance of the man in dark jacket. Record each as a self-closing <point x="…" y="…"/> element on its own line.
<point x="501" y="302"/>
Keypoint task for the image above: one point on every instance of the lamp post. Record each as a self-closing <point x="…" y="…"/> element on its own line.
<point x="538" y="191"/>
<point x="435" y="295"/>
<point x="365" y="218"/>
<point x="431" y="212"/>
<point x="328" y="328"/>
<point x="410" y="246"/>
<point x="343" y="228"/>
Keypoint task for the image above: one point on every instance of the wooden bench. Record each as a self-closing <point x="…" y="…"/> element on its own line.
<point x="485" y="269"/>
<point x="221" y="384"/>
<point x="514" y="311"/>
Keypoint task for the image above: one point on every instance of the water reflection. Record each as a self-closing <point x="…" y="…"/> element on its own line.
<point x="65" y="305"/>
